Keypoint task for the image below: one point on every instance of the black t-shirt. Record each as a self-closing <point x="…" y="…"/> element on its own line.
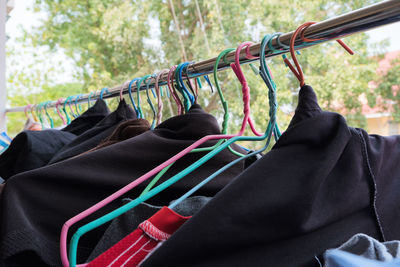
<point x="321" y="183"/>
<point x="92" y="137"/>
<point x="35" y="205"/>
<point x="32" y="149"/>
<point x="88" y="119"/>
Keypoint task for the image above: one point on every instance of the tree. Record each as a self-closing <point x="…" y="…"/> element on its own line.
<point x="112" y="41"/>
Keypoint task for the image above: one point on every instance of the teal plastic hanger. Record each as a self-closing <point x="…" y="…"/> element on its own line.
<point x="65" y="110"/>
<point x="76" y="105"/>
<point x="181" y="89"/>
<point x="48" y="115"/>
<point x="39" y="112"/>
<point x="70" y="108"/>
<point x="131" y="97"/>
<point x="89" y="100"/>
<point x="110" y="216"/>
<point x="147" y="83"/>
<point x="104" y="90"/>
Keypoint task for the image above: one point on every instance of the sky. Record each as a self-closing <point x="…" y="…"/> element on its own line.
<point x="23" y="17"/>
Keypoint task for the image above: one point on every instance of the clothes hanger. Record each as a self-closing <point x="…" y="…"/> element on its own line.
<point x="76" y="105"/>
<point x="188" y="99"/>
<point x="82" y="230"/>
<point x="48" y="115"/>
<point x="130" y="96"/>
<point x="59" y="101"/>
<point x="26" y="110"/>
<point x="138" y="84"/>
<point x="105" y="89"/>
<point x="192" y="96"/>
<point x="298" y="72"/>
<point x="224" y="124"/>
<point x="38" y="109"/>
<point x="171" y="88"/>
<point x="159" y="93"/>
<point x="270" y="129"/>
<point x="70" y="108"/>
<point x="89" y="100"/>
<point x="65" y="110"/>
<point x="121" y="90"/>
<point x="147" y="83"/>
<point x="31" y="108"/>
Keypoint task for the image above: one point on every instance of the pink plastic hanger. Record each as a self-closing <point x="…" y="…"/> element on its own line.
<point x="121" y="90"/>
<point x="59" y="101"/>
<point x="246" y="110"/>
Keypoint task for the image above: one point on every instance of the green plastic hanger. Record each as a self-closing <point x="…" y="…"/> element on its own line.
<point x="48" y="115"/>
<point x="65" y="110"/>
<point x="40" y="115"/>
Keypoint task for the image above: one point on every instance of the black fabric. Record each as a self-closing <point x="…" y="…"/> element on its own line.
<point x="88" y="119"/>
<point x="32" y="149"/>
<point x="35" y="204"/>
<point x="92" y="137"/>
<point x="315" y="189"/>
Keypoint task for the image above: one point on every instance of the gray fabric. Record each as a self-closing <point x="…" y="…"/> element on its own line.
<point x="368" y="247"/>
<point x="129" y="221"/>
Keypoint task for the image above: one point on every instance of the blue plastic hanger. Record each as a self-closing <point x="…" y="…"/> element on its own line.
<point x="147" y="83"/>
<point x="130" y="96"/>
<point x="181" y="88"/>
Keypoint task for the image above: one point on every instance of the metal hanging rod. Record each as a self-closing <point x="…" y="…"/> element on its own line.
<point x="359" y="20"/>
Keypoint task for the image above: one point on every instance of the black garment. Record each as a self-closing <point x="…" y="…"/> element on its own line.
<point x="92" y="137"/>
<point x="35" y="205"/>
<point x="88" y="119"/>
<point x="32" y="149"/>
<point x="313" y="191"/>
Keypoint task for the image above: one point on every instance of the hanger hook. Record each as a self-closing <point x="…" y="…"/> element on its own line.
<point x="245" y="88"/>
<point x="298" y="72"/>
<point x="76" y="104"/>
<point x="130" y="96"/>
<point x="221" y="96"/>
<point x="89" y="100"/>
<point x="26" y="110"/>
<point x="58" y="111"/>
<point x="138" y="85"/>
<point x="122" y="90"/>
<point x="105" y="89"/>
<point x="147" y="83"/>
<point x="159" y="100"/>
<point x="171" y="87"/>
<point x="48" y="115"/>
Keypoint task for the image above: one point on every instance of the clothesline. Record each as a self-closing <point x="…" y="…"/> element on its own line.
<point x="357" y="21"/>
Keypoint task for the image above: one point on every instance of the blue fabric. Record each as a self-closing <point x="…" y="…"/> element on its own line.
<point x="336" y="258"/>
